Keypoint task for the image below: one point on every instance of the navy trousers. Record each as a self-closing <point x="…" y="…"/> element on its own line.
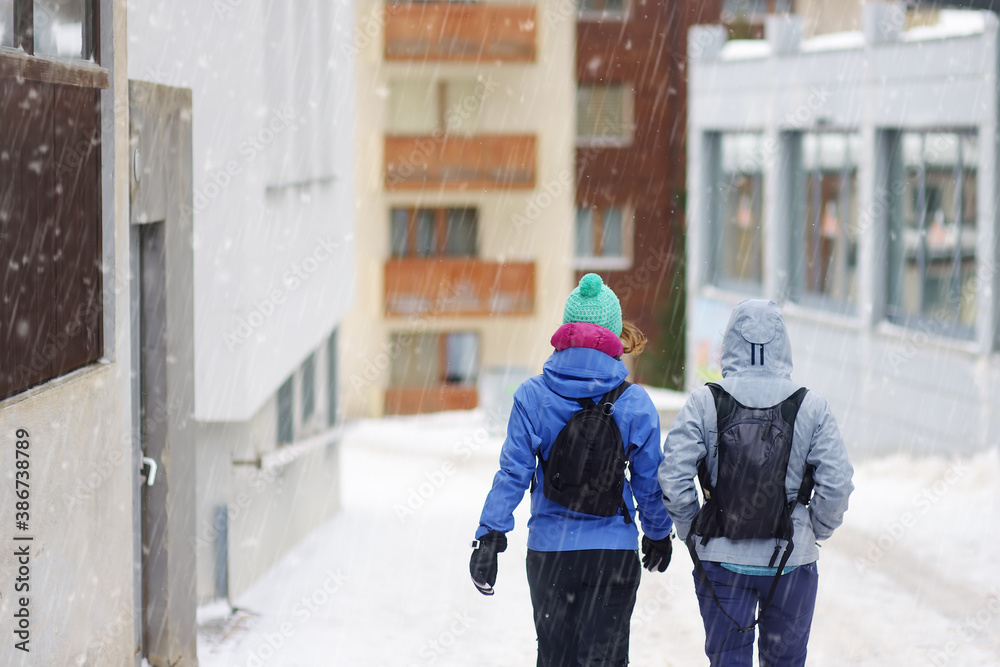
<point x="583" y="603"/>
<point x="784" y="628"/>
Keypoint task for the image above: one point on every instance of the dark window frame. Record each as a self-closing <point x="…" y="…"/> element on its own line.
<point x="723" y="184"/>
<point x="808" y="271"/>
<point x="285" y="417"/>
<point x="440" y="247"/>
<point x="21" y="62"/>
<point x="331" y="379"/>
<point x="308" y="387"/>
<point x="925" y="319"/>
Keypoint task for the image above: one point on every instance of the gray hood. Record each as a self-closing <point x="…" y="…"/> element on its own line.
<point x="757" y="355"/>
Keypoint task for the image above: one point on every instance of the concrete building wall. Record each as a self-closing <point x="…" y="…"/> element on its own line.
<point x="892" y="386"/>
<point x="81" y="577"/>
<point x="273" y="495"/>
<point x="536" y="98"/>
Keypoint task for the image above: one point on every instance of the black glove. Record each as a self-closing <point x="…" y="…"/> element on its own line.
<point x="483" y="564"/>
<point x="656" y="553"/>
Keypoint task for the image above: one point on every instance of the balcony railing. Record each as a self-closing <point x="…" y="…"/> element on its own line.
<point x="444" y="286"/>
<point x="459" y="163"/>
<point x="459" y="32"/>
<point x="433" y="398"/>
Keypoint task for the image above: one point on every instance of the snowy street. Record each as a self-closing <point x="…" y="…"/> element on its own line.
<point x="910" y="579"/>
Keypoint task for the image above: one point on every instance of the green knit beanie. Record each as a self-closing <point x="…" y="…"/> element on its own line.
<point x="593" y="301"/>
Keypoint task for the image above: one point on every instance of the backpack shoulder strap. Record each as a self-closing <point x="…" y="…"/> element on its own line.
<point x="790" y="406"/>
<point x="615" y="393"/>
<point x="724" y="401"/>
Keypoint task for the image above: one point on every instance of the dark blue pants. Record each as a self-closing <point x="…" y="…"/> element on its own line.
<point x="784" y="628"/>
<point x="583" y="603"/>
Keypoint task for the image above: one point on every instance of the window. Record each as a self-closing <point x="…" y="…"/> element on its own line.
<point x="51" y="312"/>
<point x="825" y="222"/>
<point x="435" y="358"/>
<point x="308" y="387"/>
<point x="603" y="8"/>
<point x="737" y="210"/>
<point x="427" y="232"/>
<point x="932" y="236"/>
<point x="603" y="114"/>
<point x="424" y="107"/>
<point x="286" y="412"/>
<point x="601" y="238"/>
<point x="53" y="28"/>
<point x="331" y="379"/>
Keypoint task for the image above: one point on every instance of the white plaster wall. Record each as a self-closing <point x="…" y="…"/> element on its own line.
<point x="273" y="158"/>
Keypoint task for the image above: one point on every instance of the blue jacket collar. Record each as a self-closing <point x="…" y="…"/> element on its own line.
<point x="580" y="372"/>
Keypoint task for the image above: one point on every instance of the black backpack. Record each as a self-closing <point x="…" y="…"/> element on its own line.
<point x="585" y="471"/>
<point x="748" y="500"/>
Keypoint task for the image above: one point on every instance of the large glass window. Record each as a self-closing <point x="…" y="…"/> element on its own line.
<point x="824" y="251"/>
<point x="603" y="114"/>
<point x="433" y="232"/>
<point x="7" y="23"/>
<point x="737" y="210"/>
<point x="600" y="236"/>
<point x="54" y="28"/>
<point x="308" y="387"/>
<point x="286" y="412"/>
<point x="603" y="8"/>
<point x="933" y="234"/>
<point x="331" y="379"/>
<point x="431" y="359"/>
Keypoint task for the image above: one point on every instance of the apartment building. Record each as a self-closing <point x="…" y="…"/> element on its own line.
<point x="631" y="107"/>
<point x="852" y="177"/>
<point x="465" y="120"/>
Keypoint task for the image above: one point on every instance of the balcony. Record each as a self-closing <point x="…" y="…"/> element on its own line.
<point x="480" y="162"/>
<point x="448" y="286"/>
<point x="459" y="32"/>
<point x="417" y="400"/>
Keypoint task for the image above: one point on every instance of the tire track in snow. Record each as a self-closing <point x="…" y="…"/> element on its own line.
<point x="929" y="590"/>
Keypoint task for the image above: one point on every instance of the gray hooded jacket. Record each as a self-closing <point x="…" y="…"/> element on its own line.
<point x="756" y="324"/>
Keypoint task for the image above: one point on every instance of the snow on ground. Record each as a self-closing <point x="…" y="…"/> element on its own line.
<point x="911" y="579"/>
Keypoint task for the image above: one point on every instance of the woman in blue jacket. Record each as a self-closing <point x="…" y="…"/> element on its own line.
<point x="583" y="569"/>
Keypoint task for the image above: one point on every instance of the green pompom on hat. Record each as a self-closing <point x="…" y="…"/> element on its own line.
<point x="593" y="301"/>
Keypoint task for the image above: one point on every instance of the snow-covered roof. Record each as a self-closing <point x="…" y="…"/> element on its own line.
<point x="952" y="23"/>
<point x="745" y="49"/>
<point x="834" y="41"/>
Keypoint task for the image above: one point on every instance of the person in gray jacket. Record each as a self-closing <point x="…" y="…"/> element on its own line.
<point x="733" y="577"/>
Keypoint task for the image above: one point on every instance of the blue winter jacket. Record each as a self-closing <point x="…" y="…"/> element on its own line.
<point x="757" y="331"/>
<point x="542" y="406"/>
